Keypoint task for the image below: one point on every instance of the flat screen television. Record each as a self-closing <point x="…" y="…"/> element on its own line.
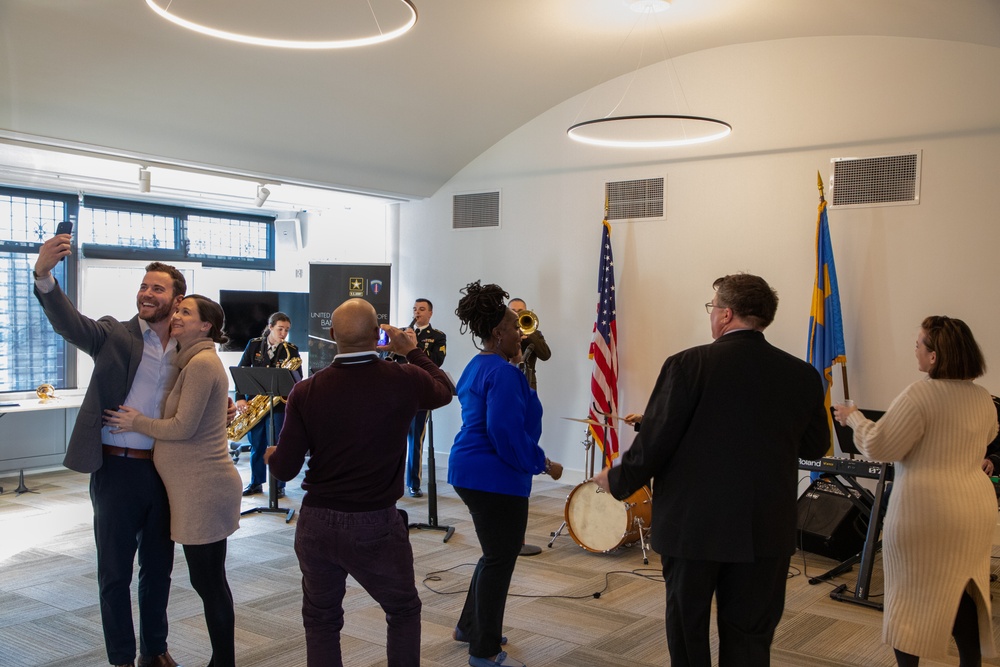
<point x="247" y="312"/>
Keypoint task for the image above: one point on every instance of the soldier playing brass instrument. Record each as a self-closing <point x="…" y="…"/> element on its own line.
<point x="270" y="350"/>
<point x="533" y="345"/>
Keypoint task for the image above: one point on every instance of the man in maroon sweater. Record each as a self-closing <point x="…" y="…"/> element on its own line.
<point x="352" y="418"/>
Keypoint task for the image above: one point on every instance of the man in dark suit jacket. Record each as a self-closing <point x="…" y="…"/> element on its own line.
<point x="746" y="407"/>
<point x="132" y="366"/>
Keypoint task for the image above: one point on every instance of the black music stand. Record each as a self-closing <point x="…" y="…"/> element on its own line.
<point x="432" y="500"/>
<point x="270" y="382"/>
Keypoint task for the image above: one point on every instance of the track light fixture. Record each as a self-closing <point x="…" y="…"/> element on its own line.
<point x="144" y="179"/>
<point x="262" y="195"/>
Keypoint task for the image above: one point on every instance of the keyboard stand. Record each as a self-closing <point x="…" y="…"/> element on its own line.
<point x="874" y="509"/>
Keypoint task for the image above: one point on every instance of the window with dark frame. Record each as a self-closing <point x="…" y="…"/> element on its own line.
<point x="31" y="353"/>
<point x="110" y="229"/>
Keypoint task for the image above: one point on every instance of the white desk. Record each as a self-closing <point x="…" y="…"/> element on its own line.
<point x="33" y="432"/>
<point x="61" y="401"/>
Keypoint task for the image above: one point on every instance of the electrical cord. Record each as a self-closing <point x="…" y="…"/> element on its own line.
<point x="434" y="576"/>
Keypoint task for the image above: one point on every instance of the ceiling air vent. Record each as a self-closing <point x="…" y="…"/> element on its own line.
<point x="475" y="210"/>
<point x="888" y="180"/>
<point x="635" y="200"/>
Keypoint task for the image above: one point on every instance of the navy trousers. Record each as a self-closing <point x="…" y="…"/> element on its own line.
<point x="131" y="514"/>
<point x="415" y="449"/>
<point x="259" y="437"/>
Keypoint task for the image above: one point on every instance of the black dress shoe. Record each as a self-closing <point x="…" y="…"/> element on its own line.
<point x="280" y="493"/>
<point x="415" y="492"/>
<point x="252" y="490"/>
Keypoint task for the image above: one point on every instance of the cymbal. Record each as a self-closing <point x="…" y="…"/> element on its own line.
<point x="589" y="421"/>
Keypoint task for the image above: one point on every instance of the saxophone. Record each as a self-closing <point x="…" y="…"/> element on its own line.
<point x="259" y="405"/>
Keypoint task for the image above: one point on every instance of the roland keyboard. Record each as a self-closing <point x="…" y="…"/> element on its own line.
<point x="847" y="467"/>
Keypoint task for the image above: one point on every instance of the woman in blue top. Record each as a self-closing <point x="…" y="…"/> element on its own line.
<point x="495" y="454"/>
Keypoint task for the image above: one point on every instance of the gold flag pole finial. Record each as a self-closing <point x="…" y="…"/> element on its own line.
<point x="819" y="184"/>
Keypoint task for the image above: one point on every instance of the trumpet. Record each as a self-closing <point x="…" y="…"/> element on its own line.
<point x="527" y="322"/>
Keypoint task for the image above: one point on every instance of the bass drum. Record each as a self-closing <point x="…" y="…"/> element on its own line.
<point x="600" y="523"/>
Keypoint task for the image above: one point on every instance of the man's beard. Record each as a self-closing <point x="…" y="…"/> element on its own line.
<point x="161" y="313"/>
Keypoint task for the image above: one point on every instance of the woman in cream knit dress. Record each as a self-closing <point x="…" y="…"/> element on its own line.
<point x="191" y="454"/>
<point x="940" y="519"/>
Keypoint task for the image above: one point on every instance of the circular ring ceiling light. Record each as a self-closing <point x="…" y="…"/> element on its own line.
<point x="649" y="131"/>
<point x="163" y="9"/>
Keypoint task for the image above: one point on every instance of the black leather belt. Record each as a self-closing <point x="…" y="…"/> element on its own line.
<point x="126" y="453"/>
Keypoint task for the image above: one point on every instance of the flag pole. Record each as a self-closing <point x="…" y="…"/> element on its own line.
<point x="843" y="366"/>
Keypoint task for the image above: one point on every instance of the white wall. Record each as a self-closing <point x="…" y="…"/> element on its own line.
<point x="747" y="203"/>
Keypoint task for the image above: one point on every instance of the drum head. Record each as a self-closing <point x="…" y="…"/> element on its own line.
<point x="596" y="521"/>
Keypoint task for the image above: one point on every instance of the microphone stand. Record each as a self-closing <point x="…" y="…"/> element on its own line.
<point x="432" y="516"/>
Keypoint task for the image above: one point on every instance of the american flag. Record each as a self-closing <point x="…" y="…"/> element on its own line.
<point x="604" y="352"/>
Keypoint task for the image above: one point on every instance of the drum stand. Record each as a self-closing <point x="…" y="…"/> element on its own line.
<point x="588" y="469"/>
<point x="643" y="537"/>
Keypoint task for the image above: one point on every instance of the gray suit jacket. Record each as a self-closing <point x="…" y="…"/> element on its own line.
<point x="116" y="348"/>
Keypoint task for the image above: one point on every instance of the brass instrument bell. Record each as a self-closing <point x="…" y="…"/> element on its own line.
<point x="527" y="322"/>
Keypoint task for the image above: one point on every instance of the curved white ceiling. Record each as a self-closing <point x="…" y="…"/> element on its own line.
<point x="400" y="118"/>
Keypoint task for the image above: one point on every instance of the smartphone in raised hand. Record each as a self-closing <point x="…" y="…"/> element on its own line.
<point x="64" y="227"/>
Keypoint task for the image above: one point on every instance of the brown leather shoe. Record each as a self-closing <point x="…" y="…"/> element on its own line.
<point x="162" y="660"/>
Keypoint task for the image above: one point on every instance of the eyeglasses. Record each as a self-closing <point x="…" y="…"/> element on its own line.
<point x="709" y="306"/>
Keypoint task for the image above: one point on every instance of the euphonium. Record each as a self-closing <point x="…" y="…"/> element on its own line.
<point x="527" y="322"/>
<point x="259" y="405"/>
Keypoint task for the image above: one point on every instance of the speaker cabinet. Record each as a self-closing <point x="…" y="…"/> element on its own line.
<point x="829" y="523"/>
<point x="288" y="233"/>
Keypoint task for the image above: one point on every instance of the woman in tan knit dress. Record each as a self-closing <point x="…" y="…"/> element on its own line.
<point x="191" y="454"/>
<point x="940" y="519"/>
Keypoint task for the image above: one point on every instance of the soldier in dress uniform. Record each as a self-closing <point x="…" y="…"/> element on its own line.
<point x="434" y="343"/>
<point x="270" y="350"/>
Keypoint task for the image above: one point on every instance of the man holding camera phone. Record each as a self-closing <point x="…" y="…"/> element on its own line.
<point x="133" y="365"/>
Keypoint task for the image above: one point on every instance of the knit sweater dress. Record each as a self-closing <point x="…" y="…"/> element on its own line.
<point x="942" y="510"/>
<point x="191" y="452"/>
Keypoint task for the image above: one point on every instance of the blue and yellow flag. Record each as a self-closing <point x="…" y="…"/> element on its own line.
<point x="826" y="328"/>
